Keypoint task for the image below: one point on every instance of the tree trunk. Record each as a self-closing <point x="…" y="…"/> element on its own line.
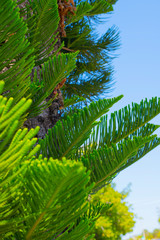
<point x="51" y="115"/>
<point x="48" y="118"/>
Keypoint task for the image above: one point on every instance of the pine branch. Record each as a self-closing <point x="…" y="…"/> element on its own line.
<point x="69" y="134"/>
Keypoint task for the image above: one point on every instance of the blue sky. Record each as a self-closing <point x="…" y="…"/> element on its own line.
<point x="137" y="76"/>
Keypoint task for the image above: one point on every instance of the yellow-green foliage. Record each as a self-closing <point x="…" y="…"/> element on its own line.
<point x="148" y="235"/>
<point x="116" y="220"/>
<point x="39" y="198"/>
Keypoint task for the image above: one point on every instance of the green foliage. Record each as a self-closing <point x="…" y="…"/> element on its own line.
<point x="103" y="149"/>
<point x="116" y="220"/>
<point x="53" y="71"/>
<point x="72" y="101"/>
<point x="47" y="198"/>
<point x="155" y="234"/>
<point x="68" y="135"/>
<point x="11" y="120"/>
<point x="26" y="181"/>
<point x="92" y="8"/>
<point x="128" y="122"/>
<point x="42" y="39"/>
<point x="50" y="182"/>
<point x="93" y="75"/>
<point x="16" y="59"/>
<point x="23" y="37"/>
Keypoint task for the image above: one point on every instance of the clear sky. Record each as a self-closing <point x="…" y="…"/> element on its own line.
<point x="137" y="76"/>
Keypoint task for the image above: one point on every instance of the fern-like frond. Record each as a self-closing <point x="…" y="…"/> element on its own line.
<point x="105" y="162"/>
<point x="42" y="20"/>
<point x="52" y="200"/>
<point x="100" y="7"/>
<point x="78" y="231"/>
<point x="39" y="199"/>
<point x="52" y="72"/>
<point x="93" y="73"/>
<point x="145" y="130"/>
<point x="80" y="37"/>
<point x="69" y="134"/>
<point x="10" y="121"/>
<point x="84" y="8"/>
<point x="112" y="146"/>
<point x="16" y="146"/>
<point x="72" y="101"/>
<point x="123" y="126"/>
<point x="89" y="87"/>
<point x="142" y="152"/>
<point x="16" y="60"/>
<point x="126" y="122"/>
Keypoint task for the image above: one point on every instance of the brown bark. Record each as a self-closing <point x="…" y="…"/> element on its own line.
<point x="48" y="118"/>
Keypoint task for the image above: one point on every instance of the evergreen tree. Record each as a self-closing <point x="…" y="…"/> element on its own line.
<point x="92" y="76"/>
<point x="74" y="33"/>
<point x="45" y="186"/>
